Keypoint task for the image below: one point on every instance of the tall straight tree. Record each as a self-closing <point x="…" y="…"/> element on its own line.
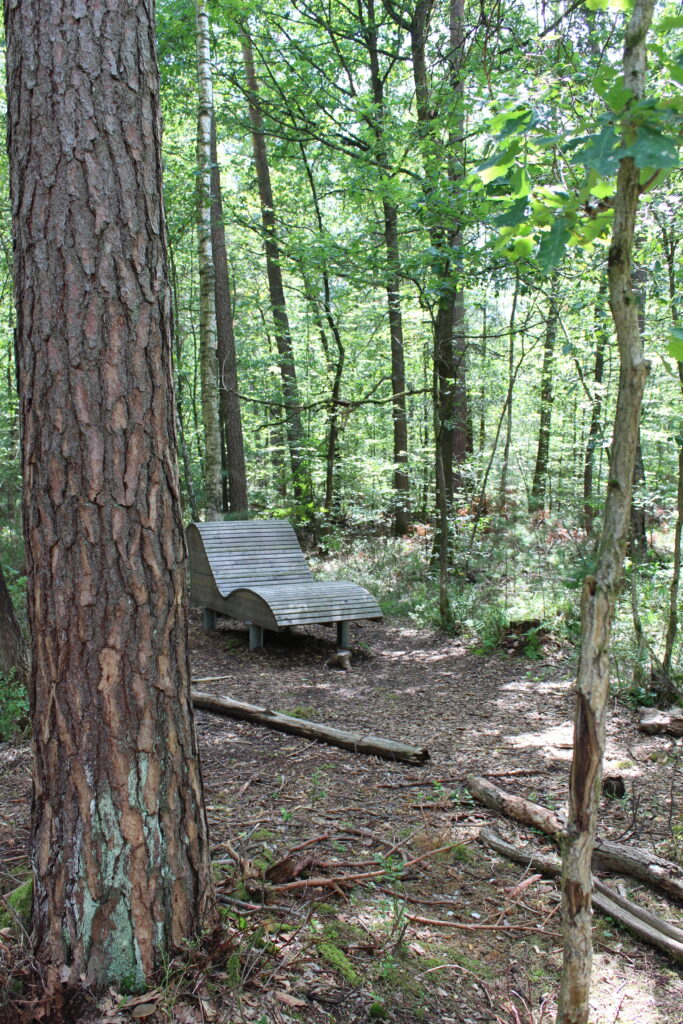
<point x="538" y="485"/>
<point x="208" y="338"/>
<point x="377" y="118"/>
<point x="283" y="335"/>
<point x="119" y="838"/>
<point x="229" y="399"/>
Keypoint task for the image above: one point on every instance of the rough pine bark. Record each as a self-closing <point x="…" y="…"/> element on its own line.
<point x="119" y="838"/>
<point x="599" y="591"/>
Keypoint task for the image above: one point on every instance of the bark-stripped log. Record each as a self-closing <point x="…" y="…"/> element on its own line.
<point x="648" y="927"/>
<point x="358" y="742"/>
<point x="607" y="855"/>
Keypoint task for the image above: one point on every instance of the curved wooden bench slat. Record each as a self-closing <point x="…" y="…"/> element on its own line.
<point x="255" y="571"/>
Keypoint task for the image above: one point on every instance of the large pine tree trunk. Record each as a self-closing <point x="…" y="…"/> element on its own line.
<point x="599" y="591"/>
<point x="119" y="838"/>
<point x="208" y="343"/>
<point x="229" y="399"/>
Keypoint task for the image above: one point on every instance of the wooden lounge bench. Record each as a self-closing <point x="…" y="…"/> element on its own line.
<point x="254" y="571"/>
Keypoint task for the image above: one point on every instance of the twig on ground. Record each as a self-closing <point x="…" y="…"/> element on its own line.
<point x="459" y="967"/>
<point x="482" y="927"/>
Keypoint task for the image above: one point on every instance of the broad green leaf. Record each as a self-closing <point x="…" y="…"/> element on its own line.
<point x="669" y="22"/>
<point x="603" y="81"/>
<point x="601" y="153"/>
<point x="675" y="347"/>
<point x="618" y="96"/>
<point x="676" y="350"/>
<point x="553" y="244"/>
<point x="498" y="164"/>
<point x="501" y="157"/>
<point x="520" y="123"/>
<point x="520" y="184"/>
<point x="613" y="5"/>
<point x="652" y="149"/>
<point x="512" y="216"/>
<point x="602" y="189"/>
<point x="596" y="226"/>
<point x="553" y="196"/>
<point x="522" y="247"/>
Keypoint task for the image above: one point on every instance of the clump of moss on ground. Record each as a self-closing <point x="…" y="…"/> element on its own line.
<point x="19" y="901"/>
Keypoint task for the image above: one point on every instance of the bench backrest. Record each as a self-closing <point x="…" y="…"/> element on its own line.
<point x="245" y="553"/>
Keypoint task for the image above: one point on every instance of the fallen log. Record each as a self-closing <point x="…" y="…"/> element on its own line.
<point x="641" y="864"/>
<point x="359" y="743"/>
<point x="648" y="927"/>
<point x="654" y="721"/>
<point x="607" y="855"/>
<point x="515" y="807"/>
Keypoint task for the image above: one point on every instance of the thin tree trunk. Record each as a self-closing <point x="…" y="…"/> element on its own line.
<point x="119" y="844"/>
<point x="450" y="396"/>
<point x="502" y="499"/>
<point x="213" y="482"/>
<point x="599" y="591"/>
<point x="638" y="541"/>
<point x="336" y="363"/>
<point x="401" y="479"/>
<point x="537" y="498"/>
<point x="13" y="650"/>
<point x="595" y="428"/>
<point x="230" y="413"/>
<point x="283" y="337"/>
<point x="670" y="245"/>
<point x="179" y="389"/>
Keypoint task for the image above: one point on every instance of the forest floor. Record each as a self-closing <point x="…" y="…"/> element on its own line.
<point x="375" y="949"/>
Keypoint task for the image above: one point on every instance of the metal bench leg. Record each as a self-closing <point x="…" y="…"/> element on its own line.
<point x="255" y="637"/>
<point x="343" y="636"/>
<point x="209" y="618"/>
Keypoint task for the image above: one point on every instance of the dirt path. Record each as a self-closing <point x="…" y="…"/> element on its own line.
<point x="358" y="953"/>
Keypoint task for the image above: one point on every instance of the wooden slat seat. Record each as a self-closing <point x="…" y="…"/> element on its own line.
<point x="255" y="571"/>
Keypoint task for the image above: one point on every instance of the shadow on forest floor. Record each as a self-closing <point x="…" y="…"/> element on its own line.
<point x="460" y="935"/>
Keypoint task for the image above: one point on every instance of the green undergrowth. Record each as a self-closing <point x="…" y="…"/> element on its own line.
<point x="516" y="588"/>
<point x="508" y="574"/>
<point x="14" y="709"/>
<point x="15" y="907"/>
